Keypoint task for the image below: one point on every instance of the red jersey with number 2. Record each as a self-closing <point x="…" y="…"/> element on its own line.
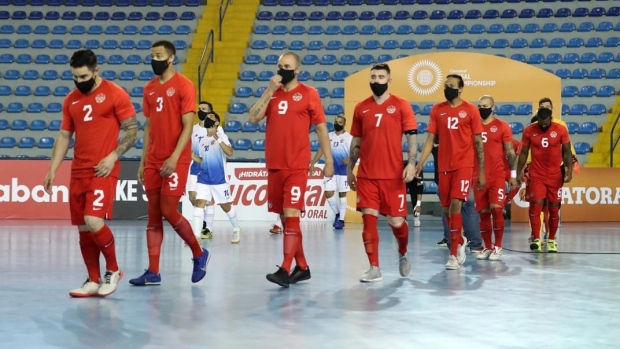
<point x="381" y="128"/>
<point x="95" y="118"/>
<point x="546" y="149"/>
<point x="289" y="117"/>
<point x="494" y="135"/>
<point x="455" y="127"/>
<point x="164" y="106"/>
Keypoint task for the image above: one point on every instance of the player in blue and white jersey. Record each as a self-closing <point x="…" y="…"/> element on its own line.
<point x="198" y="132"/>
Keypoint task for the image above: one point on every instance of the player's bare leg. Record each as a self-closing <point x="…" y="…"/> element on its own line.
<point x="400" y="229"/>
<point x="231" y="212"/>
<point x="293" y="249"/>
<point x="103" y="237"/>
<point x="370" y="235"/>
<point x="554" y="223"/>
<point x="458" y="244"/>
<point x="534" y="211"/>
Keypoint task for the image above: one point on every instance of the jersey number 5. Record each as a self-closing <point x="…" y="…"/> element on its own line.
<point x="282" y="107"/>
<point x="88" y="109"/>
<point x="484" y="137"/>
<point x="160" y="104"/>
<point x="453" y="123"/>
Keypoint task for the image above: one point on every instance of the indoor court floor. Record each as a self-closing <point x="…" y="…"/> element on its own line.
<point x="524" y="301"/>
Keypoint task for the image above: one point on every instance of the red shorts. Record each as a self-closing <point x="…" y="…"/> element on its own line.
<point x="455" y="185"/>
<point x="286" y="189"/>
<point x="494" y="192"/>
<point x="388" y="196"/>
<point x="91" y="196"/>
<point x="174" y="185"/>
<point x="549" y="189"/>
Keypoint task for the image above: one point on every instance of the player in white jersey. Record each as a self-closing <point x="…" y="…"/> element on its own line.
<point x="213" y="183"/>
<point x="198" y="132"/>
<point x="340" y="141"/>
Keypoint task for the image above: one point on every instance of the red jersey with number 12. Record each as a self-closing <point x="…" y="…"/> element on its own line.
<point x="546" y="149"/>
<point x="95" y="118"/>
<point x="455" y="127"/>
<point x="381" y="128"/>
<point x="164" y="106"/>
<point x="494" y="135"/>
<point x="289" y="117"/>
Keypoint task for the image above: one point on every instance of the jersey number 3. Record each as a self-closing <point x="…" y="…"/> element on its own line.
<point x="160" y="104"/>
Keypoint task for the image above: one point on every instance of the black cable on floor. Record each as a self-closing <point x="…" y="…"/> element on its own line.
<point x="532" y="252"/>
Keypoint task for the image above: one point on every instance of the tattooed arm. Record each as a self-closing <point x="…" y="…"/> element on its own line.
<point x="354" y="155"/>
<point x="480" y="155"/>
<point x="106" y="165"/>
<point x="257" y="112"/>
<point x="512" y="162"/>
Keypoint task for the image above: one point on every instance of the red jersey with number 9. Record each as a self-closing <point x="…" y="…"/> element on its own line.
<point x="164" y="106"/>
<point x="95" y="118"/>
<point x="546" y="149"/>
<point x="381" y="127"/>
<point x="455" y="127"/>
<point x="494" y="135"/>
<point x="289" y="116"/>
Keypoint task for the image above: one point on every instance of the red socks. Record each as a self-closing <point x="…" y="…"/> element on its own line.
<point x="90" y="254"/>
<point x="370" y="235"/>
<point x="402" y="236"/>
<point x="105" y="241"/>
<point x="498" y="225"/>
<point x="554" y="221"/>
<point x="535" y="209"/>
<point x="486" y="229"/>
<point x="456" y="227"/>
<point x="292" y="246"/>
<point x="180" y="225"/>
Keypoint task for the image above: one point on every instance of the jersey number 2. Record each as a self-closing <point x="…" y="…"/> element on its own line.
<point x="88" y="110"/>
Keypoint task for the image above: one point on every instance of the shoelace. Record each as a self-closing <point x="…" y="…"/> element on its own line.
<point x="108" y="277"/>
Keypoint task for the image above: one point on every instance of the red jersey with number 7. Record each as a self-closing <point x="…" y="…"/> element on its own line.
<point x="546" y="149"/>
<point x="164" y="106"/>
<point x="455" y="127"/>
<point x="381" y="127"/>
<point x="95" y="118"/>
<point x="494" y="135"/>
<point x="289" y="116"/>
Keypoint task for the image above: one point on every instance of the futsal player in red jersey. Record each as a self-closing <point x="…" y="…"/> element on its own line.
<point x="457" y="124"/>
<point x="169" y="106"/>
<point x="551" y="167"/>
<point x="379" y="123"/>
<point x="290" y="108"/>
<point x="497" y="140"/>
<point x="95" y="112"/>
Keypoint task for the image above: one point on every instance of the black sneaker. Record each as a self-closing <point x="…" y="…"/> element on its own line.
<point x="280" y="277"/>
<point x="299" y="274"/>
<point x="442" y="243"/>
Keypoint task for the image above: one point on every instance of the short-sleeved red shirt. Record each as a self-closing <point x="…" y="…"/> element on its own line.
<point x="546" y="149"/>
<point x="494" y="135"/>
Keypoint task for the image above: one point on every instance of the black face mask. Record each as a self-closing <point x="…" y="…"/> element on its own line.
<point x="338" y="127"/>
<point x="485" y="112"/>
<point x="159" y="66"/>
<point x="287" y="75"/>
<point x="378" y="89"/>
<point x="85" y="86"/>
<point x="209" y="123"/>
<point x="202" y="115"/>
<point x="450" y="93"/>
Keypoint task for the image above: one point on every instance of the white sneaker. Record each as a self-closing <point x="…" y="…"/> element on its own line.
<point x="236" y="238"/>
<point x="484" y="255"/>
<point x="461" y="251"/>
<point x="372" y="275"/>
<point x="404" y="265"/>
<point x="416" y="222"/>
<point x="496" y="255"/>
<point x="88" y="289"/>
<point x="110" y="282"/>
<point x="453" y="263"/>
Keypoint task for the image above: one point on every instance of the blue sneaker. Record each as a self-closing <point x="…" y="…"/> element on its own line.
<point x="336" y="219"/>
<point x="146" y="279"/>
<point x="200" y="266"/>
<point x="339" y="225"/>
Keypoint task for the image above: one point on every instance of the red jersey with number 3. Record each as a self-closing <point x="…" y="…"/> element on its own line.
<point x="546" y="149"/>
<point x="95" y="118"/>
<point x="289" y="118"/>
<point x="455" y="127"/>
<point x="381" y="127"/>
<point x="494" y="135"/>
<point x="164" y="106"/>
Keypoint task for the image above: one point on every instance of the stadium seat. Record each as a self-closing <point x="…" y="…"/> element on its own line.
<point x="238" y="108"/>
<point x="42" y="91"/>
<point x="26" y="142"/>
<point x="242" y="144"/>
<point x="258" y="145"/>
<point x="578" y="109"/>
<point x="588" y="127"/>
<point x="429" y="167"/>
<point x="232" y="126"/>
<point x="7" y="142"/>
<point x="314" y="145"/>
<point x="54" y="125"/>
<point x="597" y="109"/>
<point x="250" y="127"/>
<point x="38" y="125"/>
<point x="54" y="107"/>
<point x="4" y="124"/>
<point x="573" y="127"/>
<point x="11" y="74"/>
<point x="516" y="127"/>
<point x="61" y="91"/>
<point x="582" y="148"/>
<point x="46" y="143"/>
<point x="19" y="125"/>
<point x="605" y="91"/>
<point x="34" y="107"/>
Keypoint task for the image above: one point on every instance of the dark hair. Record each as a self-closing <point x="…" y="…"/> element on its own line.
<point x="457" y="76"/>
<point x="215" y="115"/>
<point x="83" y="58"/>
<point x="381" y="66"/>
<point x="545" y="100"/>
<point x="208" y="104"/>
<point x="167" y="45"/>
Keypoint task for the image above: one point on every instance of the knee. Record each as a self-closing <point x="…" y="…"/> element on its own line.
<point x="226" y="207"/>
<point x="93" y="224"/>
<point x="396" y="222"/>
<point x="291" y="212"/>
<point x="456" y="205"/>
<point x="329" y="194"/>
<point x="200" y="204"/>
<point x="342" y="195"/>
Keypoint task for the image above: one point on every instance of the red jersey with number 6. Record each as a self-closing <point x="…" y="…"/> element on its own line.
<point x="381" y="128"/>
<point x="494" y="135"/>
<point x="289" y="116"/>
<point x="164" y="106"/>
<point x="95" y="118"/>
<point x="455" y="127"/>
<point x="546" y="149"/>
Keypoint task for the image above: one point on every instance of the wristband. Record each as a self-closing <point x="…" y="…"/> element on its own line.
<point x="513" y="173"/>
<point x="219" y="140"/>
<point x="419" y="203"/>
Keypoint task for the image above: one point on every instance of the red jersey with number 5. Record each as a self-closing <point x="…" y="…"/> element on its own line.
<point x="546" y="149"/>
<point x="164" y="106"/>
<point x="95" y="118"/>
<point x="455" y="127"/>
<point x="289" y="116"/>
<point x="494" y="135"/>
<point x="381" y="128"/>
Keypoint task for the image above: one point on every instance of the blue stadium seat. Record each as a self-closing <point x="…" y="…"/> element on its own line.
<point x="134" y="16"/>
<point x="372" y="45"/>
<point x="538" y="43"/>
<point x="506" y="109"/>
<point x="340" y="75"/>
<point x="524" y="109"/>
<point x="5" y="90"/>
<point x="244" y="92"/>
<point x="314" y="145"/>
<point x="567" y="27"/>
<point x="56" y="44"/>
<point x="21" y="43"/>
<point x="247" y="76"/>
<point x="183" y="30"/>
<point x="54" y="125"/>
<point x="597" y="73"/>
<point x="516" y="127"/>
<point x="23" y="90"/>
<point x="429" y="167"/>
<point x="127" y="75"/>
<point x="129" y="45"/>
<point x="316" y="16"/>
<point x="266" y="75"/>
<point x="4" y="124"/>
<point x="612" y="42"/>
<point x="536" y="58"/>
<point x="46" y="143"/>
<point x="368" y="30"/>
<point x="334" y="109"/>
<point x="19" y="125"/>
<point x="242" y="144"/>
<point x="258" y="145"/>
<point x="24" y="58"/>
<point x="588" y="127"/>
<point x="337" y="92"/>
<point x="605" y="91"/>
<point x="27" y="142"/>
<point x="422" y="127"/>
<point x="463" y="44"/>
<point x="238" y="108"/>
<point x="42" y="91"/>
<point x="482" y="44"/>
<point x="232" y="126"/>
<point x="7" y="142"/>
<point x="404" y="29"/>
<point x="61" y="91"/>
<point x="570" y="91"/>
<point x="140" y="143"/>
<point x="441" y="29"/>
<point x="250" y="127"/>
<point x="7" y="29"/>
<point x="578" y="109"/>
<point x="315" y="30"/>
<point x="137" y="91"/>
<point x="553" y="58"/>
<point x="38" y="125"/>
<point x="582" y="148"/>
<point x="310" y="60"/>
<point x="39" y="43"/>
<point x="321" y="75"/>
<point x="61" y="59"/>
<point x="34" y="107"/>
<point x="587" y="91"/>
<point x="52" y="16"/>
<point x="573" y="127"/>
<point x="365" y="59"/>
<point x="11" y="74"/>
